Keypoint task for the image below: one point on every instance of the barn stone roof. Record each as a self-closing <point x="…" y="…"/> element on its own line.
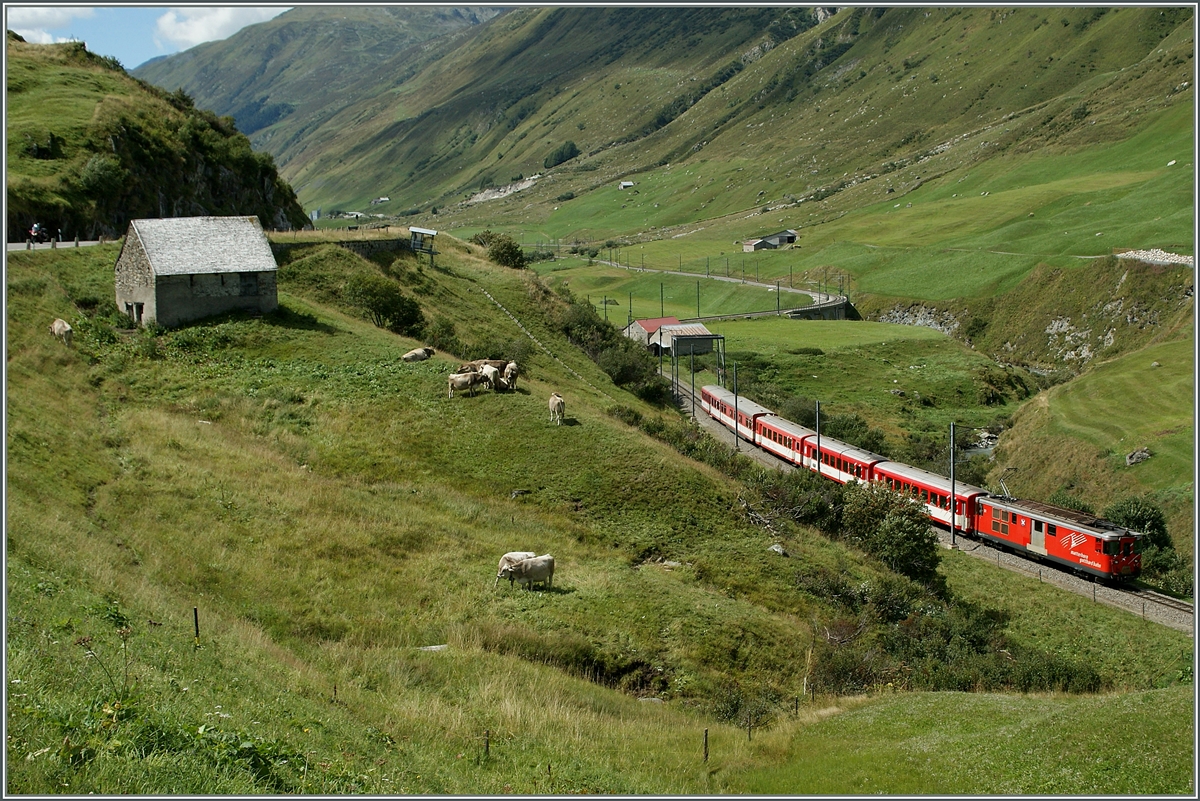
<point x="202" y="245"/>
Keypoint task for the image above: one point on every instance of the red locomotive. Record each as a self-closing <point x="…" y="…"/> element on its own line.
<point x="1083" y="543"/>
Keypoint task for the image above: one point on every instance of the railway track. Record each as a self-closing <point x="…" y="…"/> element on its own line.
<point x="1152" y="606"/>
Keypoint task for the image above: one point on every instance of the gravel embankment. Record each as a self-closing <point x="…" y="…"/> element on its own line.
<point x="1156" y="256"/>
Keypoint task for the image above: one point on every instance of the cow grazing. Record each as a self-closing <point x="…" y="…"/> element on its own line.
<point x="491" y="376"/>
<point x="62" y="329"/>
<point x="510" y="375"/>
<point x="557" y="407"/>
<point x="417" y="355"/>
<point x="478" y="364"/>
<point x="461" y="381"/>
<point x="508" y="560"/>
<point x="529" y="571"/>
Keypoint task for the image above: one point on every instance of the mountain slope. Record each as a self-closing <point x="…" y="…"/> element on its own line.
<point x="286" y="75"/>
<point x="799" y="109"/>
<point x="90" y="148"/>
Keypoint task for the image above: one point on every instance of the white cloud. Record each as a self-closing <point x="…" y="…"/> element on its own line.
<point x="45" y="17"/>
<point x="34" y="24"/>
<point x="188" y="27"/>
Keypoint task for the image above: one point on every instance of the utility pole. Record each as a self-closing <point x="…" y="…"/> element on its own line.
<point x="661" y="307"/>
<point x="697" y="298"/>
<point x="736" y="422"/>
<point x="819" y="438"/>
<point x="953" y="500"/>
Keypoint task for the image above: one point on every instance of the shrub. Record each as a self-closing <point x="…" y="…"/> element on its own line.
<point x="565" y="152"/>
<point x="893" y="528"/>
<point x="384" y="303"/>
<point x="440" y="335"/>
<point x="1141" y="514"/>
<point x="505" y="251"/>
<point x="566" y="196"/>
<point x="1063" y="497"/>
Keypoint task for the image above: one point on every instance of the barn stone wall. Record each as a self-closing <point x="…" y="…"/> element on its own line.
<point x="183" y="298"/>
<point x="134" y="279"/>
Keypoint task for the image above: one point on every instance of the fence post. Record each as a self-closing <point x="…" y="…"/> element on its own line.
<point x="706" y="745"/>
<point x="486" y="741"/>
<point x="196" y="621"/>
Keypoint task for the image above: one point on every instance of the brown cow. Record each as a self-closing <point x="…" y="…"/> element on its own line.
<point x="461" y="381"/>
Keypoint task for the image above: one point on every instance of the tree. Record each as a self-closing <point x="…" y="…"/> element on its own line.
<point x="505" y="251"/>
<point x="384" y="303"/>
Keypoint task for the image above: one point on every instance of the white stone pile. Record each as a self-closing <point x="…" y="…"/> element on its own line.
<point x="1156" y="256"/>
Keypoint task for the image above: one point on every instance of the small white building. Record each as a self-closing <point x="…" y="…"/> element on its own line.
<point x="770" y="242"/>
<point x="626" y="185"/>
<point x="642" y="330"/>
<point x="682" y="339"/>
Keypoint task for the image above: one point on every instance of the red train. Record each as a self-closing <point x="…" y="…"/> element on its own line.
<point x="1079" y="541"/>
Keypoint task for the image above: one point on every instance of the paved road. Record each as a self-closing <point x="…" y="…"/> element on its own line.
<point x="12" y="246"/>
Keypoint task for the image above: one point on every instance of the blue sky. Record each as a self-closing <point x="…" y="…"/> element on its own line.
<point x="134" y="34"/>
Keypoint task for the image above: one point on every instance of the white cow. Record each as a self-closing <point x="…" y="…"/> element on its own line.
<point x="510" y="375"/>
<point x="478" y="364"/>
<point x="461" y="381"/>
<point x="557" y="407"/>
<point x="61" y="329"/>
<point x="491" y="376"/>
<point x="528" y="571"/>
<point x="508" y="560"/>
<point x="417" y="355"/>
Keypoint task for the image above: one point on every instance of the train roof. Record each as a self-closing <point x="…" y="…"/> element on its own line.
<point x="846" y="450"/>
<point x="1069" y="516"/>
<point x="795" y="429"/>
<point x="916" y="474"/>
<point x="744" y="404"/>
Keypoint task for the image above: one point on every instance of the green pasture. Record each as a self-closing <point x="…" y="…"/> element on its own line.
<point x="1110" y="407"/>
<point x="903" y="379"/>
<point x="946" y="239"/>
<point x="678" y="293"/>
<point x="971" y="744"/>
<point x="300" y="485"/>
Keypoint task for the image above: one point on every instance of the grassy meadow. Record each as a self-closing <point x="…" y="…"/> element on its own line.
<point x="661" y="294"/>
<point x="330" y="513"/>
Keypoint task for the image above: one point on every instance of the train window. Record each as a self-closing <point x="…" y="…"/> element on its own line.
<point x="1051" y="529"/>
<point x="1037" y="525"/>
<point x="1004" y="515"/>
<point x="1112" y="547"/>
<point x="925" y="495"/>
<point x="996" y="513"/>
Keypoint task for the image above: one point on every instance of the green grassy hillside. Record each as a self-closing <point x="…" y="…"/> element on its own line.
<point x="90" y="148"/>
<point x="330" y="512"/>
<point x="1076" y="436"/>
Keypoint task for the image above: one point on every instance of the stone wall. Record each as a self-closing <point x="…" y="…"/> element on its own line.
<point x="134" y="279"/>
<point x="183" y="298"/>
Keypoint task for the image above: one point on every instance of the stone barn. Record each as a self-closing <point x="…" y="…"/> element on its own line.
<point x="174" y="270"/>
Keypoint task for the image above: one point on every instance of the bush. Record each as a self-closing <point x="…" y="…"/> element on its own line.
<point x="565" y="152"/>
<point x="505" y="251"/>
<point x="893" y="528"/>
<point x="384" y="303"/>
<point x="1141" y="514"/>
<point x="1063" y="497"/>
<point x="440" y="335"/>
